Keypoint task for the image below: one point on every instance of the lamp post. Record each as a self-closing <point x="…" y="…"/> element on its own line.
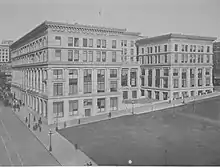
<point x="165" y="157"/>
<point x="29" y="120"/>
<point x="57" y="122"/>
<point x="133" y="107"/>
<point x="50" y="143"/>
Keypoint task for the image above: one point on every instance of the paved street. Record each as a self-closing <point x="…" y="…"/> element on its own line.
<point x="18" y="146"/>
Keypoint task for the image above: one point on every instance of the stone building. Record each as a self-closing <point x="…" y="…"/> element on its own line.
<point x="175" y="66"/>
<point x="68" y="71"/>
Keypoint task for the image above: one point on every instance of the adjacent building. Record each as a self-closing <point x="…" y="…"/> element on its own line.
<point x="5" y="57"/>
<point x="216" y="63"/>
<point x="68" y="71"/>
<point x="175" y="66"/>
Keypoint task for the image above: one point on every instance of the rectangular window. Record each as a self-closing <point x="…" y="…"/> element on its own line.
<point x="208" y="59"/>
<point x="182" y="58"/>
<point x="207" y="81"/>
<point x="208" y="49"/>
<point x="175" y="82"/>
<point x="113" y="56"/>
<point x="176" y="58"/>
<point x="58" y="110"/>
<point x="90" y="56"/>
<point x="184" y="83"/>
<point x="166" y="72"/>
<point x="103" y="56"/>
<point x="113" y="103"/>
<point x="125" y="95"/>
<point x="73" y="81"/>
<point x="150" y="77"/>
<point x="207" y="71"/>
<point x="113" y="73"/>
<point x="165" y="58"/>
<point x="165" y="48"/>
<point x="101" y="80"/>
<point x="90" y="42"/>
<point x="191" y="48"/>
<point x="76" y="42"/>
<point x="101" y="105"/>
<point x="175" y="72"/>
<point x="133" y="77"/>
<point x="113" y="86"/>
<point x="76" y="55"/>
<point x="132" y="51"/>
<point x="58" y="89"/>
<point x="58" y="40"/>
<point x="87" y="81"/>
<point x="84" y="42"/>
<point x="85" y="59"/>
<point x="113" y="44"/>
<point x="155" y="49"/>
<point x="73" y="108"/>
<point x="186" y="48"/>
<point x="87" y="102"/>
<point x="176" y="47"/>
<point x="70" y="41"/>
<point x="142" y="92"/>
<point x="103" y="43"/>
<point x="57" y="55"/>
<point x="98" y="56"/>
<point x="134" y="94"/>
<point x="122" y="43"/>
<point x="58" y="74"/>
<point x="132" y="43"/>
<point x="202" y="48"/>
<point x="70" y="55"/>
<point x="142" y="50"/>
<point x="125" y="43"/>
<point x="183" y="48"/>
<point x="165" y="82"/>
<point x="98" y="43"/>
<point x="124" y="77"/>
<point x="199" y="77"/>
<point x="125" y="51"/>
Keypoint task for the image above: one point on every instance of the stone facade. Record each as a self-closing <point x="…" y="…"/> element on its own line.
<point x="66" y="72"/>
<point x="175" y="66"/>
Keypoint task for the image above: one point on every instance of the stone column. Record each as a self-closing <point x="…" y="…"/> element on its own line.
<point x="146" y="77"/>
<point x="170" y="79"/>
<point x="81" y="79"/>
<point x="211" y="83"/>
<point x="196" y="77"/>
<point x="66" y="84"/>
<point x="94" y="80"/>
<point x="129" y="77"/>
<point x="161" y="78"/>
<point x="41" y="74"/>
<point x="107" y="104"/>
<point x="119" y="79"/>
<point x="180" y="78"/>
<point x="188" y="77"/>
<point x="107" y="75"/>
<point x="153" y="77"/>
<point x="203" y="77"/>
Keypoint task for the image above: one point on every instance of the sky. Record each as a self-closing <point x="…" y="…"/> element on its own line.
<point x="149" y="17"/>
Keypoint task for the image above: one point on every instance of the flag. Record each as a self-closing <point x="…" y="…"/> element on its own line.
<point x="100" y="12"/>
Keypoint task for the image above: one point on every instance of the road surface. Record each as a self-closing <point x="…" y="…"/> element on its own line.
<point x="18" y="146"/>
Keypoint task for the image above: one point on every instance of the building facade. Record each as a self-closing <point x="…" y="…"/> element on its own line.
<point x="68" y="71"/>
<point x="216" y="63"/>
<point x="175" y="66"/>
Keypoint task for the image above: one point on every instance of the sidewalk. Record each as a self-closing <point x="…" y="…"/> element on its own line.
<point x="62" y="149"/>
<point x="139" y="109"/>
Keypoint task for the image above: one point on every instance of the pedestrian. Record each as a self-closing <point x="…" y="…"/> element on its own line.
<point x="39" y="128"/>
<point x="109" y="114"/>
<point x="26" y="120"/>
<point x="78" y="121"/>
<point x="34" y="119"/>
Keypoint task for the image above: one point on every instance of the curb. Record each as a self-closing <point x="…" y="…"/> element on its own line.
<point x="36" y="137"/>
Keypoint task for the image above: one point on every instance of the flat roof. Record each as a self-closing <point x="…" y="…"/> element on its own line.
<point x="173" y="35"/>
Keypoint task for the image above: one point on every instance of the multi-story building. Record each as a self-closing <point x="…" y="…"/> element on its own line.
<point x="216" y="63"/>
<point x="68" y="71"/>
<point x="5" y="57"/>
<point x="175" y="66"/>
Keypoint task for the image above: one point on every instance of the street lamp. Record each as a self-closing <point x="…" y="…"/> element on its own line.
<point x="57" y="122"/>
<point x="133" y="107"/>
<point x="50" y="143"/>
<point x="29" y="120"/>
<point x="165" y="157"/>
